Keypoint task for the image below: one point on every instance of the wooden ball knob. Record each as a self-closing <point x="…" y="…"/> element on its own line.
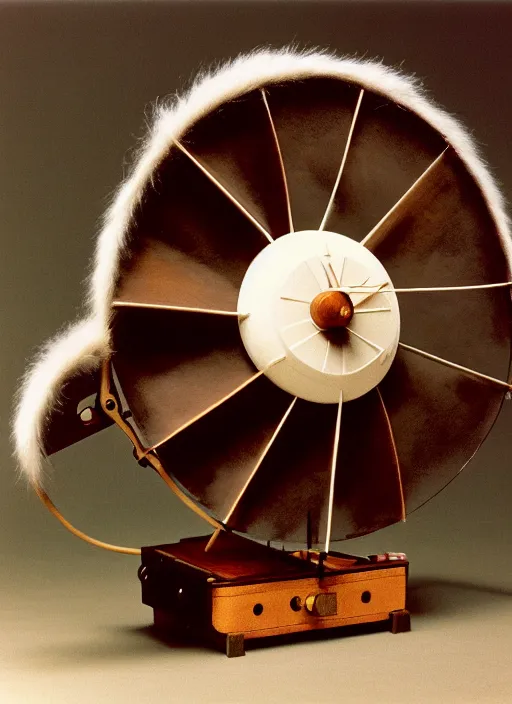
<point x="331" y="309"/>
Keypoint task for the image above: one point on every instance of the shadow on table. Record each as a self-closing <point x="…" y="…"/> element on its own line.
<point x="427" y="599"/>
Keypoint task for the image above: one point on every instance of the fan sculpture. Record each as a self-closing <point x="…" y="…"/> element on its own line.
<point x="300" y="317"/>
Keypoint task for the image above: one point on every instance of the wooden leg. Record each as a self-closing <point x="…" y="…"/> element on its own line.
<point x="235" y="645"/>
<point x="400" y="621"/>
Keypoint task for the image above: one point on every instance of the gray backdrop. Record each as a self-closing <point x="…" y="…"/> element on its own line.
<point x="75" y="81"/>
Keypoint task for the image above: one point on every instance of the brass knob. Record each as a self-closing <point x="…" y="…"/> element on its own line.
<point x="324" y="604"/>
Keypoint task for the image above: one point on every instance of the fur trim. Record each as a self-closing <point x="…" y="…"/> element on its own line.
<point x="87" y="343"/>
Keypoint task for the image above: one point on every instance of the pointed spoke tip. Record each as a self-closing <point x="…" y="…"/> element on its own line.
<point x="224" y="190"/>
<point x="212" y="540"/>
<point x="281" y="160"/>
<point x="259" y="461"/>
<point x="453" y="365"/>
<point x="374" y="232"/>
<point x="343" y="162"/>
<point x="334" y="462"/>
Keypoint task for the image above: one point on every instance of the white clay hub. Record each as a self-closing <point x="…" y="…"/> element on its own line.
<point x="282" y="339"/>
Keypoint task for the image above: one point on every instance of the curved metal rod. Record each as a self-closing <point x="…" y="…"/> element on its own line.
<point x="395" y="453"/>
<point x="79" y="533"/>
<point x="110" y="406"/>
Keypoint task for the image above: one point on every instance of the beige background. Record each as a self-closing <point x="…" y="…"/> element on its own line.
<point x="75" y="81"/>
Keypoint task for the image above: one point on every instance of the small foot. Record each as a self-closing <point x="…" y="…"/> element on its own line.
<point x="400" y="621"/>
<point x="235" y="645"/>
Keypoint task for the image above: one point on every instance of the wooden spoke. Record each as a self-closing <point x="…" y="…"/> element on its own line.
<point x="305" y="339"/>
<point x="280" y="156"/>
<point x="333" y="473"/>
<point x="327" y="350"/>
<point x="295" y="300"/>
<point x="207" y="410"/>
<point x="336" y="281"/>
<point x="365" y="339"/>
<point x="259" y="462"/>
<point x="427" y="289"/>
<point x="395" y="453"/>
<point x="218" y="403"/>
<point x="343" y="161"/>
<point x="377" y="233"/>
<point x="329" y="273"/>
<point x="184" y="309"/>
<point x="298" y="322"/>
<point x="224" y="190"/>
<point x="367" y="291"/>
<point x="453" y="365"/>
<point x="372" y="310"/>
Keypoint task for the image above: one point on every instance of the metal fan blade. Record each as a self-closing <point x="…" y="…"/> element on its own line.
<point x="439" y="416"/>
<point x="172" y="365"/>
<point x="291" y="487"/>
<point x="190" y="246"/>
<point x="368" y="490"/>
<point x="214" y="458"/>
<point x="238" y="147"/>
<point x="443" y="235"/>
<point x="162" y="275"/>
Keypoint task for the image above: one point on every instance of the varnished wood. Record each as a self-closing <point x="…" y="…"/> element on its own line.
<point x="243" y="590"/>
<point x="331" y="309"/>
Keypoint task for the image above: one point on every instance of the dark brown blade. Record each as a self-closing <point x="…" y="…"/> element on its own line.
<point x="312" y="118"/>
<point x="64" y="426"/>
<point x="443" y="235"/>
<point x="237" y="146"/>
<point x="173" y="365"/>
<point x="390" y="148"/>
<point x="368" y="492"/>
<point x="162" y="275"/>
<point x="189" y="245"/>
<point x="213" y="458"/>
<point x="293" y="480"/>
<point x="291" y="490"/>
<point x="440" y="417"/>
